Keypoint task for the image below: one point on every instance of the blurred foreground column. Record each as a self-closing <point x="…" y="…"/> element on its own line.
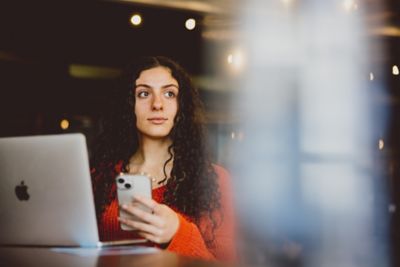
<point x="306" y="188"/>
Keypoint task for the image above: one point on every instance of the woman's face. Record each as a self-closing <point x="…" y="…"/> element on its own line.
<point x="156" y="95"/>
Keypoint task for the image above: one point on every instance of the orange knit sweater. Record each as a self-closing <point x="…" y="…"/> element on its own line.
<point x="189" y="239"/>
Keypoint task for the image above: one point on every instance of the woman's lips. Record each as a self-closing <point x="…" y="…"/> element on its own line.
<point x="157" y="120"/>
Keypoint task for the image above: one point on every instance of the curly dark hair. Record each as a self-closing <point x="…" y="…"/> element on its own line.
<point x="192" y="187"/>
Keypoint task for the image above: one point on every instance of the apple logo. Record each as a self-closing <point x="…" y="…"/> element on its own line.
<point x="22" y="191"/>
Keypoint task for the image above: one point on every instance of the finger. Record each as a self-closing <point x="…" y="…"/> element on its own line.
<point x="150" y="237"/>
<point x="143" y="215"/>
<point x="148" y="202"/>
<point x="143" y="227"/>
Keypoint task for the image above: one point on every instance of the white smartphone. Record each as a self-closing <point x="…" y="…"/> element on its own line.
<point x="128" y="186"/>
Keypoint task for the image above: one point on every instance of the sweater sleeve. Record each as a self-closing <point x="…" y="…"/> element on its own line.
<point x="188" y="241"/>
<point x="190" y="238"/>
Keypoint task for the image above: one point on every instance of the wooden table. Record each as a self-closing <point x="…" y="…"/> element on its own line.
<point x="42" y="257"/>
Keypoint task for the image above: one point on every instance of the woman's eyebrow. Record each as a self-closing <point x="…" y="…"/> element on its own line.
<point x="164" y="86"/>
<point x="142" y="85"/>
<point x="170" y="85"/>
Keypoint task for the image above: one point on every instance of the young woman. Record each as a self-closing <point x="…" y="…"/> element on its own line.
<point x="157" y="128"/>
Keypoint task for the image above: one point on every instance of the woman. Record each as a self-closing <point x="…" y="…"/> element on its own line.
<point x="157" y="129"/>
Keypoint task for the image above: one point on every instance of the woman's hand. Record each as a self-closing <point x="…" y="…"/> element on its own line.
<point x="159" y="226"/>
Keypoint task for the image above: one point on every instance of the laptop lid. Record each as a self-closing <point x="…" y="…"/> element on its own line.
<point x="46" y="194"/>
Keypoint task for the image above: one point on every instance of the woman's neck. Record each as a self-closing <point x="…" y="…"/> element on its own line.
<point x="151" y="154"/>
<point x="150" y="158"/>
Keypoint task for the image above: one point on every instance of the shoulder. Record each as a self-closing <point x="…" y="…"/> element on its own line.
<point x="223" y="176"/>
<point x="226" y="188"/>
<point x="221" y="172"/>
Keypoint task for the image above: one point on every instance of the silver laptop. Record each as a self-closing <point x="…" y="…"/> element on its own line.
<point x="46" y="194"/>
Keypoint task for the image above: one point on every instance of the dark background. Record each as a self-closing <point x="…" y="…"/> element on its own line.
<point x="42" y="40"/>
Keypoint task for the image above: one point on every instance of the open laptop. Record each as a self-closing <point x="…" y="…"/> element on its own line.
<point x="46" y="194"/>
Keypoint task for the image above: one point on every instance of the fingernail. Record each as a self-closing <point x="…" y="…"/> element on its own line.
<point x="124" y="206"/>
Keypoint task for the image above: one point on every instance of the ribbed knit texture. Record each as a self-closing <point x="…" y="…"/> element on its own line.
<point x="189" y="239"/>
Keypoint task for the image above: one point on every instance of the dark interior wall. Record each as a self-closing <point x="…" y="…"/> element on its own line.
<point x="40" y="40"/>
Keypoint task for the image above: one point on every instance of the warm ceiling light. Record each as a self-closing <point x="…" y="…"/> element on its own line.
<point x="190" y="24"/>
<point x="371" y="76"/>
<point x="136" y="20"/>
<point x="235" y="60"/>
<point x="381" y="144"/>
<point x="287" y="2"/>
<point x="349" y="5"/>
<point x="64" y="124"/>
<point x="230" y="59"/>
<point x="395" y="70"/>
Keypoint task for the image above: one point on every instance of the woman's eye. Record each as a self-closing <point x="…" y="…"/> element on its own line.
<point x="170" y="94"/>
<point x="142" y="94"/>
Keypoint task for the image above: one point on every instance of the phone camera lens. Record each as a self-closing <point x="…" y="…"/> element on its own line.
<point x="127" y="186"/>
<point x="121" y="181"/>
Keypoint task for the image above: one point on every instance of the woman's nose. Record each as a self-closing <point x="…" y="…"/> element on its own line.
<point x="157" y="103"/>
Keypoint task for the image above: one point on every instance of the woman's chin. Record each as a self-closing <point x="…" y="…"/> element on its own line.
<point x="156" y="135"/>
